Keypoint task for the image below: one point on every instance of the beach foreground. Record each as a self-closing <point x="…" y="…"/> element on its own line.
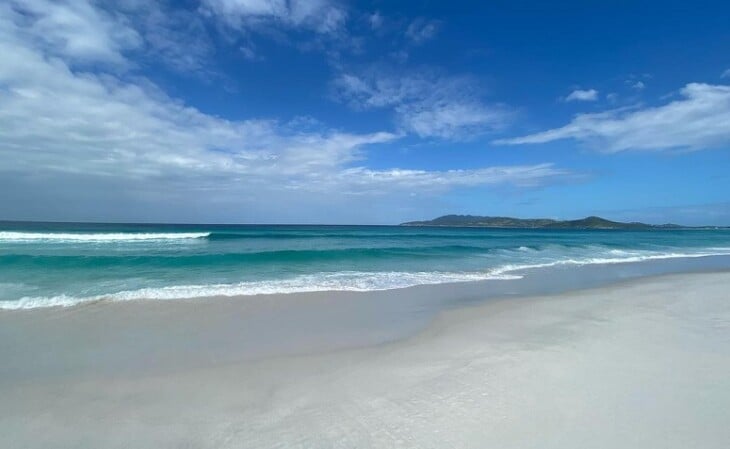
<point x="645" y="363"/>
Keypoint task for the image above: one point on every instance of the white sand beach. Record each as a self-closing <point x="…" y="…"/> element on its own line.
<point x="642" y="364"/>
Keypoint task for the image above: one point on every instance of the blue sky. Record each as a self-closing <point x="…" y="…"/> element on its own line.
<point x="327" y="111"/>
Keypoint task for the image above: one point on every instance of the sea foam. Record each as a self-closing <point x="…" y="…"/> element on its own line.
<point x="352" y="281"/>
<point x="10" y="236"/>
<point x="629" y="258"/>
<point x="321" y="282"/>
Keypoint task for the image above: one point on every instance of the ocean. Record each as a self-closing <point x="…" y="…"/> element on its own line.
<point x="63" y="264"/>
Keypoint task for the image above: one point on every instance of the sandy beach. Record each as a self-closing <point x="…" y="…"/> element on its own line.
<point x="643" y="363"/>
<point x="337" y="224"/>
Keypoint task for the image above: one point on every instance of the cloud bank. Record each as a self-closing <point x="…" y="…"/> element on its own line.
<point x="80" y="129"/>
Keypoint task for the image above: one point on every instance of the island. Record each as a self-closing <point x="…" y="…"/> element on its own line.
<point x="593" y="222"/>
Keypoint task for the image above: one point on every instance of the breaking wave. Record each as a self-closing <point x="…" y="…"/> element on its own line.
<point x="340" y="281"/>
<point x="10" y="236"/>
<point x="352" y="281"/>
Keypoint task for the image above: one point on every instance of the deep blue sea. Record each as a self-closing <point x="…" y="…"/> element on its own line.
<point x="53" y="264"/>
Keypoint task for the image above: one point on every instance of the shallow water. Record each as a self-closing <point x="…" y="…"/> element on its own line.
<point x="46" y="264"/>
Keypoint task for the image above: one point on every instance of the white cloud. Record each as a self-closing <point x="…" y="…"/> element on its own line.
<point x="421" y="30"/>
<point x="95" y="142"/>
<point x="725" y="74"/>
<point x="75" y="30"/>
<point x="637" y="85"/>
<point x="52" y="115"/>
<point x="111" y="128"/>
<point x="583" y="95"/>
<point x="174" y="36"/>
<point x="522" y="176"/>
<point x="323" y="16"/>
<point x="425" y="103"/>
<point x="699" y="119"/>
<point x="84" y="34"/>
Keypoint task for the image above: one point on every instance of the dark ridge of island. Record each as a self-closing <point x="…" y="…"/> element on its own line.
<point x="475" y="221"/>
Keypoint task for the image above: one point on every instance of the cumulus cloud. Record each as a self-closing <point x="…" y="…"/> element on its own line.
<point x="425" y="103"/>
<point x="322" y="16"/>
<point x="76" y="140"/>
<point x="583" y="95"/>
<point x="699" y="119"/>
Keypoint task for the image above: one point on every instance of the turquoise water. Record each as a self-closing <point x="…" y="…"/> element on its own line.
<point x="64" y="264"/>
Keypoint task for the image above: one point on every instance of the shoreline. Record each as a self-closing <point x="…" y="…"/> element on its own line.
<point x="639" y="363"/>
<point x="248" y="328"/>
<point x="641" y="268"/>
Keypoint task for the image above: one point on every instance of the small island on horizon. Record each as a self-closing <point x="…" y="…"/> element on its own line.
<point x="592" y="222"/>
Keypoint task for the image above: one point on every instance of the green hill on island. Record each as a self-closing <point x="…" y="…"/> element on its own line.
<point x="533" y="223"/>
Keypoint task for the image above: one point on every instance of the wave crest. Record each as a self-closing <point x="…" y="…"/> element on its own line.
<point x="11" y="236"/>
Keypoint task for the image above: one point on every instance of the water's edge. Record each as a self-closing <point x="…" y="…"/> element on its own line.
<point x="119" y="338"/>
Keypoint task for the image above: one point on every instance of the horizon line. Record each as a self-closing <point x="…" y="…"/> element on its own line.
<point x="152" y="223"/>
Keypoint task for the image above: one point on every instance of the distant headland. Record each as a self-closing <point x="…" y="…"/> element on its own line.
<point x="475" y="221"/>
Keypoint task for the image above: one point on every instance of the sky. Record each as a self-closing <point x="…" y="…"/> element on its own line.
<point x="364" y="112"/>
